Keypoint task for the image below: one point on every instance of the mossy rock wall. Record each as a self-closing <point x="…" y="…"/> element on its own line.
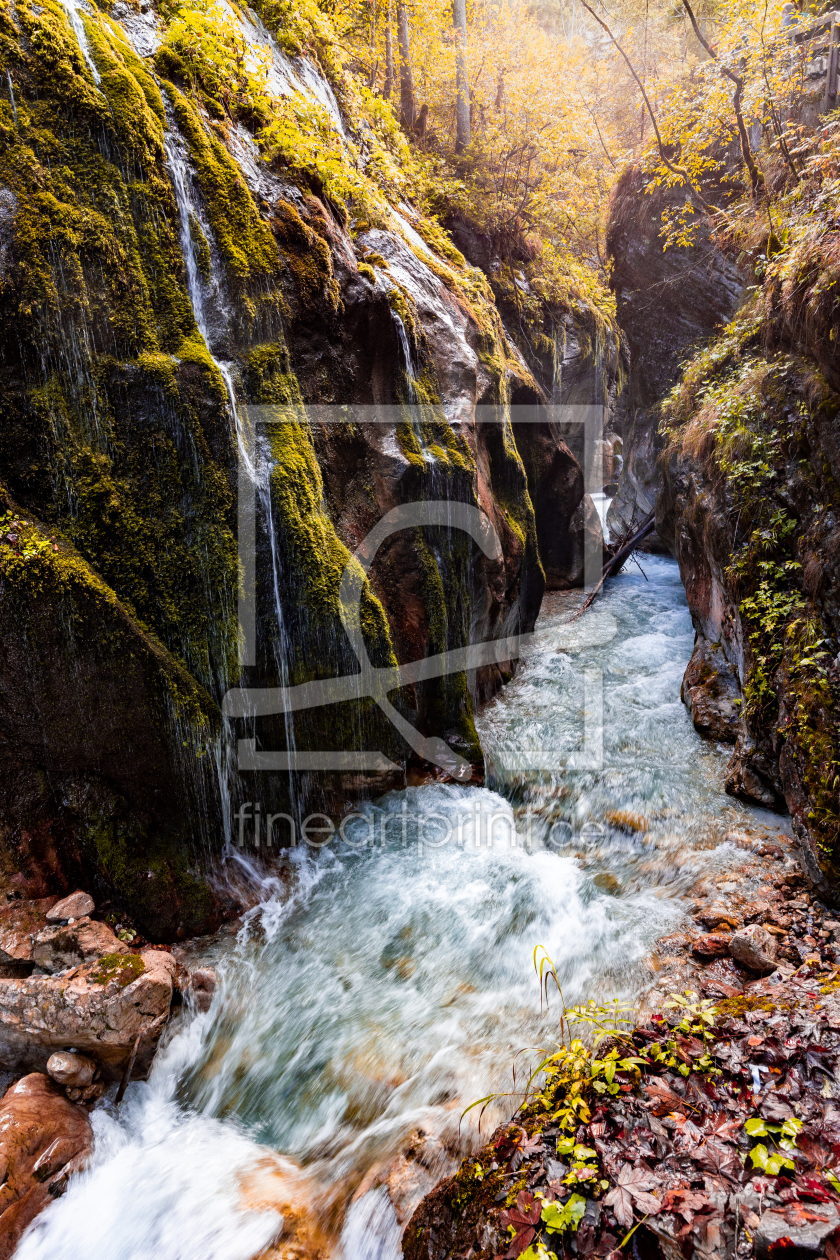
<point x="119" y="447"/>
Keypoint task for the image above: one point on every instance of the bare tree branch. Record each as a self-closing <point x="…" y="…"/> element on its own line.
<point x="672" y="166"/>
<point x="756" y="177"/>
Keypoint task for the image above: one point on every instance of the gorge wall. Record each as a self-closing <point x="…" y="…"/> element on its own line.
<point x="731" y="431"/>
<point x="667" y="301"/>
<point x="163" y="273"/>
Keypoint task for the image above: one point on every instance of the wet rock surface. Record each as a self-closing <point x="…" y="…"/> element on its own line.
<point x="44" y="1139"/>
<point x="69" y="1068"/>
<point x="711" y="692"/>
<point x="98" y="1008"/>
<point x="671" y="1149"/>
<point x="666" y="303"/>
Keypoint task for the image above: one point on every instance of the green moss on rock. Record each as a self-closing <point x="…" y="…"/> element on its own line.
<point x="123" y="968"/>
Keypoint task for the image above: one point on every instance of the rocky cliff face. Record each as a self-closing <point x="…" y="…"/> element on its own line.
<point x="758" y="544"/>
<point x="738" y="449"/>
<point x="668" y="302"/>
<point x="165" y="270"/>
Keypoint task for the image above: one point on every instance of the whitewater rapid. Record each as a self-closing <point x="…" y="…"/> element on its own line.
<point x="387" y="981"/>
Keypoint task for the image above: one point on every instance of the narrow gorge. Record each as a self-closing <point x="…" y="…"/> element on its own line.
<point x="387" y="869"/>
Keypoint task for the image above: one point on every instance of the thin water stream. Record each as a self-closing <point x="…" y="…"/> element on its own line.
<point x="387" y="981"/>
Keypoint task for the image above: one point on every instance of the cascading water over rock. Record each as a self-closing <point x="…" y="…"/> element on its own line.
<point x="387" y="982"/>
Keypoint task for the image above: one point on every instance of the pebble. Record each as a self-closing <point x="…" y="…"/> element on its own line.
<point x="711" y="946"/>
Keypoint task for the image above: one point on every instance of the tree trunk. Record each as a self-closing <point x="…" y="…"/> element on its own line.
<point x="499" y="103"/>
<point x="408" y="108"/>
<point x="388" y="86"/>
<point x="462" y="102"/>
<point x="374" y="60"/>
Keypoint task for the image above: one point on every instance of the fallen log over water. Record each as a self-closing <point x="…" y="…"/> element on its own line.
<point x="615" y="562"/>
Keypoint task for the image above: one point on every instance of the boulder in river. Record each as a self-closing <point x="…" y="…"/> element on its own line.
<point x="43" y="1139"/>
<point x="710" y="691"/>
<point x="98" y="1009"/>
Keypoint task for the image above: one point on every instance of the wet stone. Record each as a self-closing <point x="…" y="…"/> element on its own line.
<point x="711" y="946"/>
<point x="754" y="948"/>
<point x="73" y="907"/>
<point x="68" y="1068"/>
<point x="797" y="1232"/>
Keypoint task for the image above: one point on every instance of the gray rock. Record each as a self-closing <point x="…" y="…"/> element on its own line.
<point x="710" y="690"/>
<point x="59" y="946"/>
<point x="99" y="1009"/>
<point x="73" y="907"/>
<point x="68" y="1068"/>
<point x="804" y="1237"/>
<point x="754" y="948"/>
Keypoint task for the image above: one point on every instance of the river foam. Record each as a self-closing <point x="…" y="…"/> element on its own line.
<point x="391" y="982"/>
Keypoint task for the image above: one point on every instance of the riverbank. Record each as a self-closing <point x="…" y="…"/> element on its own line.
<point x="711" y="1128"/>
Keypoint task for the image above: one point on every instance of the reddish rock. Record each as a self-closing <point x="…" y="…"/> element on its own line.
<point x="18" y="921"/>
<point x="43" y="1140"/>
<point x="711" y="946"/>
<point x="719" y="915"/>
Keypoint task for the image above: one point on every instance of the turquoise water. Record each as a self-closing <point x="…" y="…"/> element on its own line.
<point x="391" y="981"/>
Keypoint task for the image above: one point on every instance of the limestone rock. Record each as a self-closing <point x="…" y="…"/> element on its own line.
<point x="68" y="1068"/>
<point x="18" y="921"/>
<point x="60" y="946"/>
<point x="754" y="947"/>
<point x="73" y="907"/>
<point x="98" y="1009"/>
<point x="43" y="1140"/>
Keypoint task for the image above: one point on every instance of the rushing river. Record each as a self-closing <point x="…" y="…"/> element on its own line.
<point x="391" y="981"/>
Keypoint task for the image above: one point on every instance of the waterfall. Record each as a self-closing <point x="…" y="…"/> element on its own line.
<point x="411" y="378"/>
<point x="408" y="362"/>
<point x="12" y="96"/>
<point x="73" y="12"/>
<point x="388" y="980"/>
<point x="254" y="456"/>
